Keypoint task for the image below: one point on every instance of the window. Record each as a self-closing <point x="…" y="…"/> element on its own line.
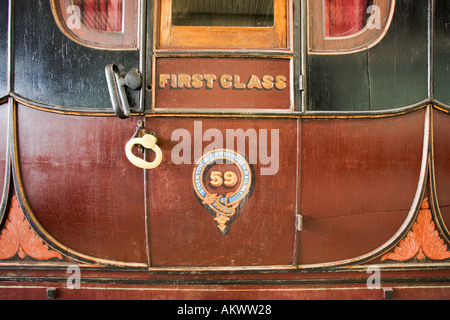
<point x="345" y="26"/>
<point x="101" y="15"/>
<point x="106" y="24"/>
<point x="223" y="23"/>
<point x="223" y="13"/>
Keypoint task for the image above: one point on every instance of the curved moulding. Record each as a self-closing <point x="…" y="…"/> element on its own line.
<point x="5" y="168"/>
<point x="351" y="236"/>
<point x="441" y="106"/>
<point x="51" y="161"/>
<point x="440" y="171"/>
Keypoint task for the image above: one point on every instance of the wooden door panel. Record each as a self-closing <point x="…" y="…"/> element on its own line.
<point x="358" y="182"/>
<point x="184" y="233"/>
<point x="80" y="185"/>
<point x="3" y="145"/>
<point x="441" y="139"/>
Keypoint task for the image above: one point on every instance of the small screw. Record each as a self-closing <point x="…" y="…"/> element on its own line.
<point x="51" y="293"/>
<point x="388" y="293"/>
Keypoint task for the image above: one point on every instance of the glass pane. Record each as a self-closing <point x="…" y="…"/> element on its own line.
<point x="104" y="15"/>
<point x="346" y="17"/>
<point x="226" y="13"/>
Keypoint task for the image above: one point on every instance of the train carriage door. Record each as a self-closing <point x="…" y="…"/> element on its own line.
<point x="227" y="103"/>
<point x="219" y="99"/>
<point x="71" y="173"/>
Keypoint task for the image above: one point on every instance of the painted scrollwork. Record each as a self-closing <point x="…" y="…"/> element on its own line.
<point x="18" y="238"/>
<point x="422" y="241"/>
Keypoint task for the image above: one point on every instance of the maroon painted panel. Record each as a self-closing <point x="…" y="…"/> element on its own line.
<point x="441" y="143"/>
<point x="358" y="181"/>
<point x="183" y="233"/>
<point x="3" y="144"/>
<point x="189" y="83"/>
<point x="80" y="184"/>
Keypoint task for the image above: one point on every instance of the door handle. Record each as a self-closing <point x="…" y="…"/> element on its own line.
<point x="117" y="91"/>
<point x="148" y="141"/>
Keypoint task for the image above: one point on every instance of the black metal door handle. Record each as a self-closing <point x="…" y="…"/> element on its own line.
<point x="117" y="91"/>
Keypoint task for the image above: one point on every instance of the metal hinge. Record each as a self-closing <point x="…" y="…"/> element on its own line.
<point x="301" y="85"/>
<point x="298" y="222"/>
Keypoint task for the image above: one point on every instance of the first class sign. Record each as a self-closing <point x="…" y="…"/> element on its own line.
<point x="222" y="83"/>
<point x="226" y="81"/>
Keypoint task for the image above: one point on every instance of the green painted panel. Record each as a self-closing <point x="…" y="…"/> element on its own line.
<point x="391" y="75"/>
<point x="442" y="51"/>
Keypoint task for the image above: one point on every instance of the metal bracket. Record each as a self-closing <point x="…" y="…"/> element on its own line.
<point x="117" y="88"/>
<point x="301" y="85"/>
<point x="298" y="222"/>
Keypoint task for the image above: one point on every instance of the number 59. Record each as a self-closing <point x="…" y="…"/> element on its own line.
<point x="228" y="179"/>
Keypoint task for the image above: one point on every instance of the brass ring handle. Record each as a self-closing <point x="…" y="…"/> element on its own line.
<point x="148" y="141"/>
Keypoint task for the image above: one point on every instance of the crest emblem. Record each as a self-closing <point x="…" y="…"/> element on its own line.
<point x="223" y="180"/>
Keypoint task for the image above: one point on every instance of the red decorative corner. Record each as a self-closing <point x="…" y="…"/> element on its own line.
<point x="422" y="241"/>
<point x="17" y="237"/>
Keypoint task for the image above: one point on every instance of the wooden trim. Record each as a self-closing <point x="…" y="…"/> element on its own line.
<point x="222" y="37"/>
<point x="126" y="40"/>
<point x="283" y="114"/>
<point x="363" y="40"/>
<point x="5" y="188"/>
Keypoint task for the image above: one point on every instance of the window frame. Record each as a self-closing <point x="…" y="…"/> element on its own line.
<point x="169" y="36"/>
<point x="127" y="39"/>
<point x="366" y="38"/>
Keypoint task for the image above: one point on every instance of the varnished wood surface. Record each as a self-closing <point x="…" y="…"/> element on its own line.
<point x="358" y="182"/>
<point x="80" y="184"/>
<point x="183" y="233"/>
<point x="441" y="139"/>
<point x="3" y="146"/>
<point x="342" y="180"/>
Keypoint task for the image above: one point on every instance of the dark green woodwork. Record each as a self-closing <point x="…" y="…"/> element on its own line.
<point x="442" y="51"/>
<point x="3" y="48"/>
<point x="48" y="68"/>
<point x="51" y="69"/>
<point x="392" y="74"/>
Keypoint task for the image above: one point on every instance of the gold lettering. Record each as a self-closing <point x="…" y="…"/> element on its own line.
<point x="210" y="78"/>
<point x="267" y="82"/>
<point x="184" y="80"/>
<point x="197" y="81"/>
<point x="280" y="82"/>
<point x="254" y="82"/>
<point x="226" y="81"/>
<point x="173" y="81"/>
<point x="237" y="82"/>
<point x="163" y="79"/>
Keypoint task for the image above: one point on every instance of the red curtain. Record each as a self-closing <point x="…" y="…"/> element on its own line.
<point x="345" y="17"/>
<point x="105" y="15"/>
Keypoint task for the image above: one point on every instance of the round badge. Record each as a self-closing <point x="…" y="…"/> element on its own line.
<point x="223" y="181"/>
